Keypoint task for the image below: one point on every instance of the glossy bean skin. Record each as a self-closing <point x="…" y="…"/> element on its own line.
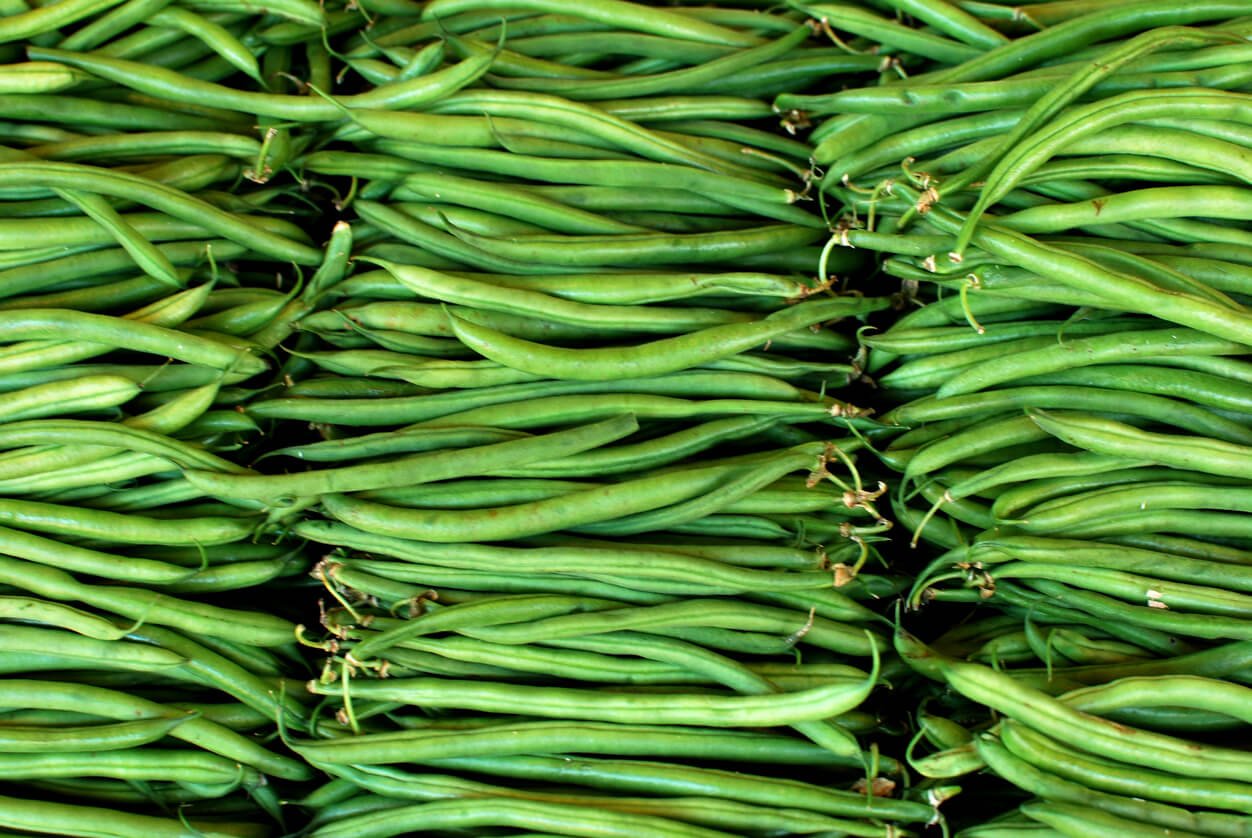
<point x="51" y="324"/>
<point x="165" y="84"/>
<point x="1119" y="557"/>
<point x="523" y="814"/>
<point x="114" y="704"/>
<point x="1119" y="289"/>
<point x="83" y="820"/>
<point x="1118" y="439"/>
<point x="62" y="739"/>
<point x="250" y="627"/>
<point x="67" y="520"/>
<point x="692" y="393"/>
<point x="652" y="777"/>
<point x="436" y="465"/>
<point x="160" y="197"/>
<point x="560" y="737"/>
<point x="1099" y="810"/>
<point x="1110" y="777"/>
<point x="810" y="705"/>
<point x="572" y="559"/>
<point x="1100" y="737"/>
<point x="658" y="358"/>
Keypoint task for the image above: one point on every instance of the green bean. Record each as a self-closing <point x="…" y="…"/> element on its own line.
<point x="613" y="13"/>
<point x="1052" y="103"/>
<point x="557" y="737"/>
<point x="169" y="418"/>
<point x="929" y="372"/>
<point x="300" y="11"/>
<point x="15" y="738"/>
<point x="215" y="36"/>
<point x="114" y="22"/>
<point x="84" y="560"/>
<point x="659" y="778"/>
<point x="422" y="576"/>
<point x="1163" y="690"/>
<point x="525" y="814"/>
<point x="34" y="77"/>
<point x="721" y="392"/>
<point x="168" y="85"/>
<point x="992" y="434"/>
<point x="1091" y="734"/>
<point x="251" y="627"/>
<point x="87" y="652"/>
<point x="653" y="453"/>
<point x="1111" y="777"/>
<point x="81" y="111"/>
<point x="1136" y="205"/>
<point x="1095" y="819"/>
<point x="45" y="274"/>
<point x="704" y="811"/>
<point x="104" y="296"/>
<point x="1111" y="111"/>
<point x="809" y="705"/>
<point x="25" y="237"/>
<point x="628" y="250"/>
<point x="677" y="617"/>
<point x="748" y="496"/>
<point x="1085" y="351"/>
<point x="674" y="81"/>
<point x="49" y="18"/>
<point x="570" y="663"/>
<point x="1196" y="150"/>
<point x="1124" y="558"/>
<point x="431" y="373"/>
<point x="397" y="442"/>
<point x="1210" y="626"/>
<point x="521" y="301"/>
<point x="1119" y="289"/>
<point x="1132" y="587"/>
<point x="589" y="561"/>
<point x="512" y="311"/>
<point x="1203" y="388"/>
<point x="73" y="819"/>
<point x="889" y="33"/>
<point x="432" y="466"/>
<point x="722" y="670"/>
<point x="1105" y="436"/>
<point x="739" y="192"/>
<point x="656" y="358"/>
<point x="1062" y="39"/>
<point x="139" y="764"/>
<point x="87" y="394"/>
<point x="518" y="203"/>
<point x="1163" y="410"/>
<point x="210" y="667"/>
<point x="113" y="704"/>
<point x="82" y="523"/>
<point x="493" y="524"/>
<point x="161" y="197"/>
<point x="938" y="339"/>
<point x="1112" y="500"/>
<point x="53" y="613"/>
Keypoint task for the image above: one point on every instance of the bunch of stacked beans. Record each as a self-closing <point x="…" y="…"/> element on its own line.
<point x="530" y="418"/>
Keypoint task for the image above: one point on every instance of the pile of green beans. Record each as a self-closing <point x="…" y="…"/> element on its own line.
<point x="149" y="268"/>
<point x="521" y="417"/>
<point x="590" y="485"/>
<point x="1072" y="398"/>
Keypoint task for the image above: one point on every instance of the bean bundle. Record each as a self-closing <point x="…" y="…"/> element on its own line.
<point x="512" y="418"/>
<point x="1074" y="401"/>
